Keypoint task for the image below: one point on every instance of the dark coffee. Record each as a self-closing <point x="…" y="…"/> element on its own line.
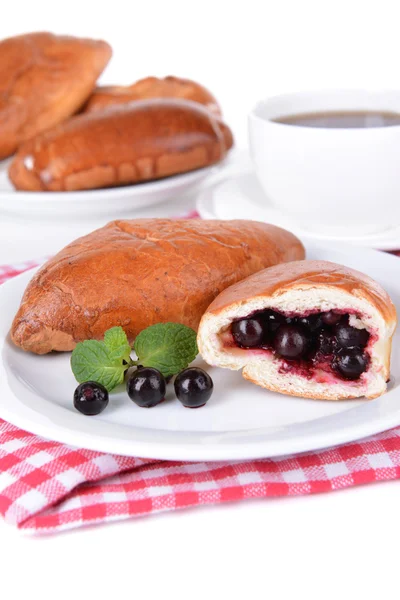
<point x="342" y="119"/>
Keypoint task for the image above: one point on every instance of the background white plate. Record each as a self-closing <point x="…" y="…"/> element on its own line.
<point x="241" y="421"/>
<point x="240" y="196"/>
<point x="108" y="202"/>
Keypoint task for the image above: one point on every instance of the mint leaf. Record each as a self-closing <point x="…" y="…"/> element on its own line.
<point x="94" y="361"/>
<point x="117" y="343"/>
<point x="168" y="347"/>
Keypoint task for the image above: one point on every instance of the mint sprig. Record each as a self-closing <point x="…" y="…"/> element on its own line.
<point x="168" y="347"/>
<point x="92" y="361"/>
<point x="117" y="343"/>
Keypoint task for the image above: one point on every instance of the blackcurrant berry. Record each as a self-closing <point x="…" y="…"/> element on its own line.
<point x="248" y="332"/>
<point x="348" y="336"/>
<point x="193" y="387"/>
<point x="351" y="362"/>
<point x="90" y="398"/>
<point x="291" y="341"/>
<point x="146" y="387"/>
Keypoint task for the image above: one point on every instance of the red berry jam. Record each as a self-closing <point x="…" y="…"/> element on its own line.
<point x="307" y="344"/>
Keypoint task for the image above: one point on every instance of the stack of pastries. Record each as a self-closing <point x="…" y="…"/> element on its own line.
<point x="70" y="135"/>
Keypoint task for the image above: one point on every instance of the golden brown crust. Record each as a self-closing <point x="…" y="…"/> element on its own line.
<point x="140" y="272"/>
<point x="124" y="144"/>
<point x="45" y="78"/>
<point x="152" y="87"/>
<point x="307" y="275"/>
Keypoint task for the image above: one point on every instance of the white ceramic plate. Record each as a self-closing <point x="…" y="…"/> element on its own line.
<point x="241" y="421"/>
<point x="108" y="202"/>
<point x="241" y="195"/>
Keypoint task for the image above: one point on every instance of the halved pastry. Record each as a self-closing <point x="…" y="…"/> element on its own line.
<point x="307" y="328"/>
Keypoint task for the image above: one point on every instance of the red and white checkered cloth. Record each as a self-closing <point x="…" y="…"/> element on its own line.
<point x="46" y="486"/>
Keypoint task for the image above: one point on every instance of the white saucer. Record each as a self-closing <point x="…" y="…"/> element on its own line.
<point x="241" y="197"/>
<point x="241" y="420"/>
<point x="109" y="203"/>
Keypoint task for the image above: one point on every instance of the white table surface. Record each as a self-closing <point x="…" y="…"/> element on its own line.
<point x="341" y="544"/>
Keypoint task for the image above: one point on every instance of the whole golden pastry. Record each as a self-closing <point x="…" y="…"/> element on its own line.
<point x="124" y="144"/>
<point x="152" y="87"/>
<point x="44" y="79"/>
<point x="140" y="272"/>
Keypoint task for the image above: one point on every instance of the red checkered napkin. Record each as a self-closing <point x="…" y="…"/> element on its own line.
<point x="46" y="486"/>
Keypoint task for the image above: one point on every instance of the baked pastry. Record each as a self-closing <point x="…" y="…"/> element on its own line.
<point x="152" y="87"/>
<point x="141" y="272"/>
<point x="123" y="144"/>
<point x="308" y="328"/>
<point x="44" y="79"/>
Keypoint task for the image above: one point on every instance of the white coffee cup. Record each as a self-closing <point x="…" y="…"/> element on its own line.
<point x="328" y="179"/>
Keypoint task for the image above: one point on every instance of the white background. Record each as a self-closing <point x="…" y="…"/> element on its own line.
<point x="335" y="545"/>
<point x="241" y="50"/>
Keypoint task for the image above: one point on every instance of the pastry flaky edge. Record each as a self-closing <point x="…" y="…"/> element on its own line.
<point x="299" y="287"/>
<point x="140" y="272"/>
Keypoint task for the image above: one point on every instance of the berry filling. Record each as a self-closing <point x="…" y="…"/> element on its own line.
<point x="309" y="345"/>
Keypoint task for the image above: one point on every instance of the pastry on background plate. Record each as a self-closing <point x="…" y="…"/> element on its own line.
<point x="152" y="87"/>
<point x="125" y="144"/>
<point x="141" y="272"/>
<point x="309" y="328"/>
<point x="44" y="79"/>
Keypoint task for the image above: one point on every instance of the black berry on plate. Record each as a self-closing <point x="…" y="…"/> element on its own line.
<point x="146" y="387"/>
<point x="330" y="318"/>
<point x="351" y="362"/>
<point x="193" y="387"/>
<point x="291" y="341"/>
<point x="90" y="398"/>
<point x="248" y="332"/>
<point x="348" y="336"/>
